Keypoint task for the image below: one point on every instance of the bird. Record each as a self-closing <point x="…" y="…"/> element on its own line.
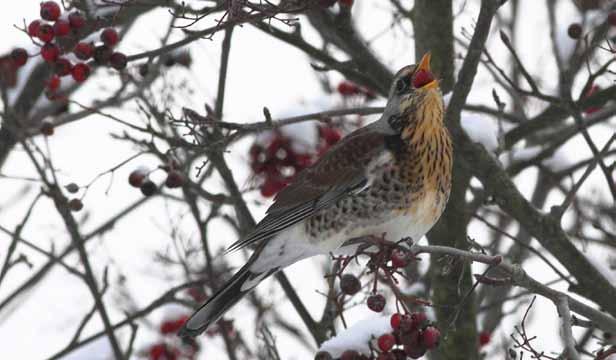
<point x="392" y="177"/>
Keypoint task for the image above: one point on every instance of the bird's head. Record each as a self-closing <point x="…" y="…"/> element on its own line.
<point x="415" y="96"/>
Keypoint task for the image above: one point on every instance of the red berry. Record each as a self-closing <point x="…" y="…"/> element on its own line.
<point x="137" y="177"/>
<point x="484" y="338"/>
<point x="62" y="66"/>
<point x="80" y="72"/>
<point x="592" y="109"/>
<point x="399" y="258"/>
<point x="398" y="354"/>
<point x="418" y="319"/>
<point x="411" y="339"/>
<point x="50" y="11"/>
<point x="102" y="53"/>
<point x="574" y="31"/>
<point x="422" y="78"/>
<point x="148" y="188"/>
<point x="349" y="284"/>
<point x="33" y="28"/>
<point x="347" y="88"/>
<point x="172" y="326"/>
<point x="414" y="352"/>
<point x="75" y="205"/>
<point x="61" y="28"/>
<point x="174" y="179"/>
<point x="110" y="37"/>
<point x="45" y="33"/>
<point x="406" y="323"/>
<point x="271" y="187"/>
<point x="330" y="135"/>
<point x="350" y="355"/>
<point x="611" y="18"/>
<point x="50" y="52"/>
<point x="53" y="83"/>
<point x="47" y="128"/>
<point x="197" y="293"/>
<point x="394" y="321"/>
<point x="19" y="56"/>
<point x="376" y="302"/>
<point x="118" y="61"/>
<point x="323" y="355"/>
<point x="386" y="342"/>
<point x="157" y="351"/>
<point x="430" y="337"/>
<point x="83" y="50"/>
<point x="346" y="2"/>
<point x="387" y="356"/>
<point x="76" y="20"/>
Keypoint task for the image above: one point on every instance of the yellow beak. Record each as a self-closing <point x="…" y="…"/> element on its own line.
<point x="424" y="64"/>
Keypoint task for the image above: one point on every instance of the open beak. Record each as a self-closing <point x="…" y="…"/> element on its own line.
<point x="424" y="64"/>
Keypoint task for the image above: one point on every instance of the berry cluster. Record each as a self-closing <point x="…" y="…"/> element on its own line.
<point x="277" y="162"/>
<point x="51" y="28"/>
<point x="139" y="178"/>
<point x="169" y="347"/>
<point x="347" y="89"/>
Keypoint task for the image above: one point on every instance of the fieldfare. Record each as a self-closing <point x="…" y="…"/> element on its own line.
<point x="390" y="177"/>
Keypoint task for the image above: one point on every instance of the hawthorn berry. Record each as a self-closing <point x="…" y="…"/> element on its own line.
<point x="172" y="326"/>
<point x="387" y="356"/>
<point x="271" y="187"/>
<point x="348" y="3"/>
<point x="350" y="355"/>
<point x="83" y="50"/>
<point x="411" y="339"/>
<point x="574" y="31"/>
<point x="110" y="37"/>
<point x="61" y="28"/>
<point x="72" y="188"/>
<point x="394" y="321"/>
<point x="102" y="53"/>
<point x="418" y="319"/>
<point x="80" y="72"/>
<point x="45" y="33"/>
<point x="50" y="52"/>
<point x="19" y="56"/>
<point x="76" y="20"/>
<point x="376" y="302"/>
<point x="422" y="78"/>
<point x="349" y="284"/>
<point x="137" y="177"/>
<point x="398" y="354"/>
<point x="386" y="342"/>
<point x="430" y="337"/>
<point x="330" y="135"/>
<point x="53" y="83"/>
<point x="406" y="323"/>
<point x="611" y="18"/>
<point x="399" y="258"/>
<point x="323" y="355"/>
<point x="347" y="88"/>
<point x="414" y="352"/>
<point x="63" y="66"/>
<point x="148" y="188"/>
<point x="118" y="61"/>
<point x="47" y="128"/>
<point x="327" y="3"/>
<point x="174" y="179"/>
<point x="75" y="204"/>
<point x="33" y="28"/>
<point x="50" y="11"/>
<point x="484" y="338"/>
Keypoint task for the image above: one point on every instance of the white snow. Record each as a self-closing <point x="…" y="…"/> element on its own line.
<point x="481" y="128"/>
<point x="358" y="336"/>
<point x="99" y="349"/>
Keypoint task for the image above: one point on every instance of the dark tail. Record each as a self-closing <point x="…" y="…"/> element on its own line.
<point x="240" y="284"/>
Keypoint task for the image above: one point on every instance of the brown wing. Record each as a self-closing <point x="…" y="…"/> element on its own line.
<point x="339" y="173"/>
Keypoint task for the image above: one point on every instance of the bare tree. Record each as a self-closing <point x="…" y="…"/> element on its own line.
<point x="527" y="203"/>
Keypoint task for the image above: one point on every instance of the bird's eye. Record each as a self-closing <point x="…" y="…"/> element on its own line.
<point x="402" y="85"/>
